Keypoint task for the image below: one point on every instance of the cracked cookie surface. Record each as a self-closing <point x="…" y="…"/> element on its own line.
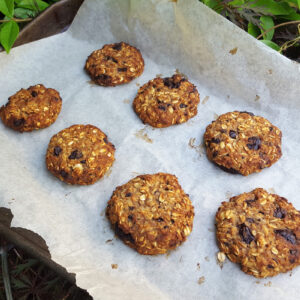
<point x="260" y="231"/>
<point x="115" y="64"/>
<point x="240" y="142"/>
<point x="80" y="154"/>
<point x="30" y="109"/>
<point x="163" y="102"/>
<point x="151" y="213"/>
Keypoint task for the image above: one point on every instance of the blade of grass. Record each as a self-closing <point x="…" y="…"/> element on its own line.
<point x="5" y="273"/>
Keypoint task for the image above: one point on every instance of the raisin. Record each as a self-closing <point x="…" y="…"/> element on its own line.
<point x="105" y="140"/>
<point x="172" y="221"/>
<point x="250" y="220"/>
<point x="117" y="46"/>
<point x="19" y="122"/>
<point x="131" y="207"/>
<point x="271" y="128"/>
<point x="279" y="213"/>
<point x="161" y="107"/>
<point x="57" y="150"/>
<point x="232" y="134"/>
<point x="182" y="105"/>
<point x="130" y="217"/>
<point x="293" y="252"/>
<point x="170" y="83"/>
<point x="122" y="69"/>
<point x="249" y="202"/>
<point x="159" y="219"/>
<point x="254" y="143"/>
<point x="111" y="58"/>
<point x="215" y="141"/>
<point x="103" y="77"/>
<point x="270" y="267"/>
<point x="246" y="234"/>
<point x="215" y="153"/>
<point x="34" y="93"/>
<point x="247" y="112"/>
<point x="287" y="235"/>
<point x="124" y="236"/>
<point x="128" y="194"/>
<point x="166" y="227"/>
<point x="75" y="154"/>
<point x="83" y="161"/>
<point x="64" y="174"/>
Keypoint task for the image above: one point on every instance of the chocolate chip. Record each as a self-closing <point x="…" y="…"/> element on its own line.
<point x="83" y="161"/>
<point x="287" y="234"/>
<point x="57" y="150"/>
<point x="250" y="220"/>
<point x="128" y="194"/>
<point x="19" y="122"/>
<point x="64" y="174"/>
<point x="254" y="143"/>
<point x="161" y="107"/>
<point x="111" y="58"/>
<point x="75" y="154"/>
<point x="215" y="141"/>
<point x="279" y="213"/>
<point x="122" y="69"/>
<point x="34" y="93"/>
<point x="182" y="105"/>
<point x="246" y="234"/>
<point x="232" y="134"/>
<point x="130" y="217"/>
<point x="117" y="46"/>
<point x="247" y="112"/>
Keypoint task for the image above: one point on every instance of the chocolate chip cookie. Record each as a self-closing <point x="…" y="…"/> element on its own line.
<point x="163" y="102"/>
<point x="115" y="64"/>
<point x="240" y="142"/>
<point x="80" y="154"/>
<point x="151" y="213"/>
<point x="34" y="108"/>
<point x="260" y="231"/>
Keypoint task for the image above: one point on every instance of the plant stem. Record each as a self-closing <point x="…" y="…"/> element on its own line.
<point x="5" y="273"/>
<point x="16" y="20"/>
<point x="277" y="26"/>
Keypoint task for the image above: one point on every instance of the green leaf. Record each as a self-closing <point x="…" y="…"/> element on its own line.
<point x="8" y="34"/>
<point x="26" y="265"/>
<point x="36" y="5"/>
<point x="291" y="17"/>
<point x="272" y="7"/>
<point x="271" y="44"/>
<point x="253" y="30"/>
<point x="7" y="7"/>
<point x="18" y="284"/>
<point x="266" y="23"/>
<point x="23" y="13"/>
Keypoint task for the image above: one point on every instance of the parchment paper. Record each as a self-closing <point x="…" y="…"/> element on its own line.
<point x="183" y="35"/>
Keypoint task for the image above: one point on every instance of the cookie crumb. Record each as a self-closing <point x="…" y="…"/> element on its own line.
<point x="269" y="283"/>
<point x="108" y="241"/>
<point x="221" y="259"/>
<point x="256" y="98"/>
<point x="216" y="116"/>
<point x="126" y="101"/>
<point x="233" y="51"/>
<point x="206" y="258"/>
<point x="270" y="71"/>
<point x="141" y="134"/>
<point x="180" y="73"/>
<point x="201" y="280"/>
<point x="199" y="148"/>
<point x="206" y="98"/>
<point x="114" y="266"/>
<point x="198" y="266"/>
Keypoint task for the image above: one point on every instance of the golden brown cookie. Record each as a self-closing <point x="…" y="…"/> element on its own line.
<point x="260" y="231"/>
<point x="80" y="154"/>
<point x="151" y="213"/>
<point x="240" y="142"/>
<point x="163" y="102"/>
<point x="115" y="64"/>
<point x="34" y="108"/>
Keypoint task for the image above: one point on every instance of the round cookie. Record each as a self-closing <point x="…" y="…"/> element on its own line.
<point x="260" y="231"/>
<point x="240" y="142"/>
<point x="34" y="108"/>
<point x="163" y="102"/>
<point x="151" y="213"/>
<point x="115" y="64"/>
<point x="80" y="154"/>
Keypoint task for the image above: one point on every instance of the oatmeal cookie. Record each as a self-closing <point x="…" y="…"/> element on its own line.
<point x="115" y="64"/>
<point x="240" y="142"/>
<point x="151" y="213"/>
<point x="163" y="102"/>
<point x="80" y="154"/>
<point x="31" y="109"/>
<point x="260" y="231"/>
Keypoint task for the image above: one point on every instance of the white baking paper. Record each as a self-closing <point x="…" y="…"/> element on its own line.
<point x="183" y="35"/>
